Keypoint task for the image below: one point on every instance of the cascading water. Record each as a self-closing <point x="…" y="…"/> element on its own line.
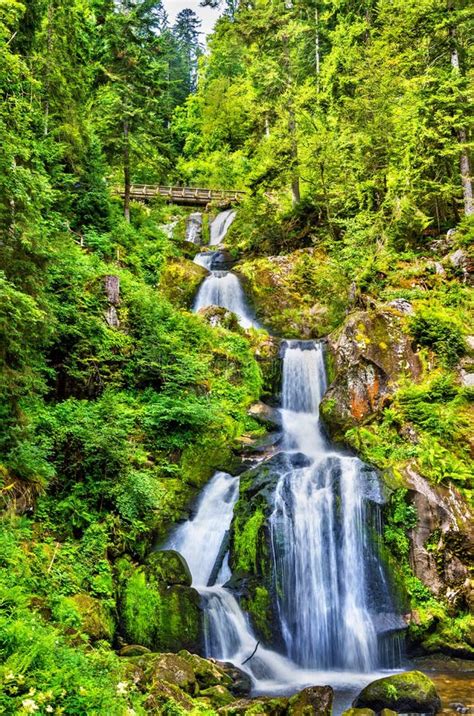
<point x="220" y="226"/>
<point x="222" y="288"/>
<point x="318" y="533"/>
<point x="337" y="619"/>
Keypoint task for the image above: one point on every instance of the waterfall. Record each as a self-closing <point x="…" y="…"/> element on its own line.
<point x="222" y="288"/>
<point x="220" y="226"/>
<point x="194" y="228"/>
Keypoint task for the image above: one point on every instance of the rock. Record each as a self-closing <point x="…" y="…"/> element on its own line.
<point x="369" y="354"/>
<point x="208" y="672"/>
<point x="443" y="512"/>
<point x="221" y="261"/>
<point x="388" y="712"/>
<point x="241" y="682"/>
<point x="265" y="414"/>
<point x="273" y="706"/>
<point x="218" y="695"/>
<point x="402" y="305"/>
<point x="170" y="568"/>
<point x="154" y="614"/>
<point x="133" y="650"/>
<point x="467" y="379"/>
<point x="112" y="289"/>
<point x="312" y="700"/>
<point x="180" y="280"/>
<point x="94" y="617"/>
<point x="411" y="691"/>
<point x="219" y="316"/>
<point x="462" y="263"/>
<point x="361" y="712"/>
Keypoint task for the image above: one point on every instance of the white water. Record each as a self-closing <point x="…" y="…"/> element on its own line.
<point x="222" y="288"/>
<point x="220" y="226"/>
<point x="320" y="555"/>
<point x="318" y="533"/>
<point x="194" y="228"/>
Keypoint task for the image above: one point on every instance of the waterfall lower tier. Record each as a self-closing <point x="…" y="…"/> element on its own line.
<point x="337" y="620"/>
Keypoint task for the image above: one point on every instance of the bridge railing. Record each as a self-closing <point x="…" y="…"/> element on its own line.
<point x="144" y="191"/>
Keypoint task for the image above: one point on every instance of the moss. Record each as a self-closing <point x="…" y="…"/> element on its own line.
<point x="157" y="616"/>
<point x="246" y="538"/>
<point x="180" y="280"/>
<point x="259" y="606"/>
<point x="410" y="691"/>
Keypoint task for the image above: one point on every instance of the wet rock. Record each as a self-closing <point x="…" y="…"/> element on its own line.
<point x="265" y="414"/>
<point x="369" y="354"/>
<point x="312" y="700"/>
<point x="170" y="568"/>
<point x="221" y="261"/>
<point x="241" y="682"/>
<point x="411" y="692"/>
<point x="360" y="712"/>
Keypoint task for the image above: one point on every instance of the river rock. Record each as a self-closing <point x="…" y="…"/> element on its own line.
<point x="410" y="692"/>
<point x="312" y="700"/>
<point x="241" y="682"/>
<point x="368" y="355"/>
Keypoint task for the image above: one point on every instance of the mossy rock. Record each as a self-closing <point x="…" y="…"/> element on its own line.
<point x="219" y="316"/>
<point x="273" y="706"/>
<point x="170" y="568"/>
<point x="411" y="691"/>
<point x="207" y="672"/>
<point x="360" y="712"/>
<point x="157" y="616"/>
<point x="217" y="695"/>
<point x="95" y="620"/>
<point x="180" y="280"/>
<point x="312" y="700"/>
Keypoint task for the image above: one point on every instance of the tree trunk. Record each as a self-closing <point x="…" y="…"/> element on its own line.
<point x="126" y="172"/>
<point x="464" y="158"/>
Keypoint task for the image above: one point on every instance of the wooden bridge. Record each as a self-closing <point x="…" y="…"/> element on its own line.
<point x="191" y="196"/>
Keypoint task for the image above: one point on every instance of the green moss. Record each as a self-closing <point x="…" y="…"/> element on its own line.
<point x="246" y="539"/>
<point x="157" y="616"/>
<point x="180" y="280"/>
<point x="259" y="606"/>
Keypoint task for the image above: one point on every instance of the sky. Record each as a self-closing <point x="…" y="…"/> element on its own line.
<point x="207" y="14"/>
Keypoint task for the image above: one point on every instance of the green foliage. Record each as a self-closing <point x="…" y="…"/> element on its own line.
<point x="401" y="517"/>
<point x="439" y="331"/>
<point x="246" y="540"/>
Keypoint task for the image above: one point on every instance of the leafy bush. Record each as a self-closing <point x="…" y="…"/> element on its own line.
<point x="440" y="332"/>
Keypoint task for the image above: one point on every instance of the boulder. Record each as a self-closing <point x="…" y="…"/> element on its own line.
<point x="154" y="614"/>
<point x="268" y="416"/>
<point x="241" y="682"/>
<point x="95" y="619"/>
<point x="312" y="700"/>
<point x="180" y="280"/>
<point x="170" y="568"/>
<point x="217" y="316"/>
<point x="360" y="712"/>
<point x="411" y="692"/>
<point x="368" y="355"/>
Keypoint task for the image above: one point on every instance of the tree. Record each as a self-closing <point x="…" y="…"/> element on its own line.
<point x="186" y="34"/>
